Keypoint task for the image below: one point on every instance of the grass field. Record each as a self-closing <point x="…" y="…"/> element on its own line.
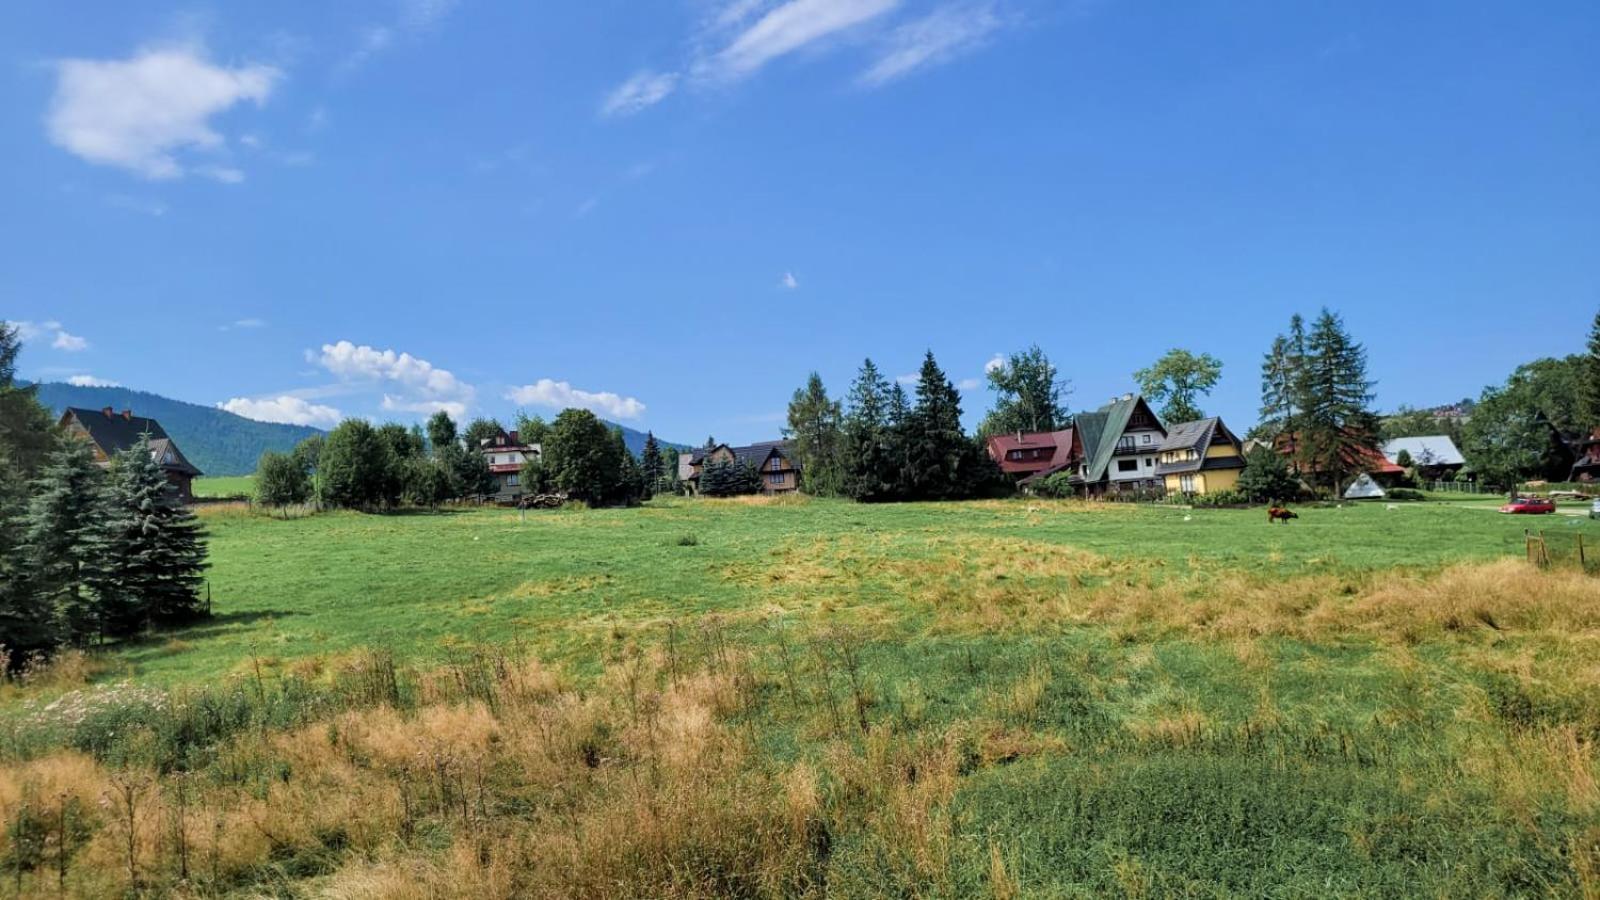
<point x="225" y="486"/>
<point x="803" y="698"/>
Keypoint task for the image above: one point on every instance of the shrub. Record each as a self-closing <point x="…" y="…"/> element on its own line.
<point x="1405" y="494"/>
<point x="1217" y="499"/>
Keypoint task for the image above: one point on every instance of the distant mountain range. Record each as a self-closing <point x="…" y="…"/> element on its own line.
<point x="215" y="440"/>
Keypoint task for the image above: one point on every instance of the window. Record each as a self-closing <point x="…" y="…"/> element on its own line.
<point x="1186" y="483"/>
<point x="776" y="479"/>
<point x="777" y="464"/>
<point x="513" y="480"/>
<point x="1127" y="465"/>
<point x="1125" y="443"/>
<point x="1149" y="461"/>
<point x="1147" y="439"/>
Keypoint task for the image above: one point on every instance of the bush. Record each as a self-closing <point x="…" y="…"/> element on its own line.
<point x="1217" y="499"/>
<point x="1405" y="494"/>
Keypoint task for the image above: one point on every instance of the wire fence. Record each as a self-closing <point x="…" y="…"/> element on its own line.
<point x="1456" y="487"/>
<point x="1562" y="550"/>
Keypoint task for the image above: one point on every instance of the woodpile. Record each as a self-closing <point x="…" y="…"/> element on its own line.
<point x="544" y="501"/>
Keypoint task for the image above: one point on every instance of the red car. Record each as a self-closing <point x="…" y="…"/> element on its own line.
<point x="1529" y="506"/>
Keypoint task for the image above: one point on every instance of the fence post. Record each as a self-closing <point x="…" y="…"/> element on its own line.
<point x="1583" y="563"/>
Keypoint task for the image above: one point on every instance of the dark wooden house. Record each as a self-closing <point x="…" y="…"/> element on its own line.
<point x="111" y="432"/>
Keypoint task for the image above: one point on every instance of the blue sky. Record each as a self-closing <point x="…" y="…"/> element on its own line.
<point x="672" y="211"/>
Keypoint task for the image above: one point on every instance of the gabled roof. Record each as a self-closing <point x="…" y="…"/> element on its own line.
<point x="114" y="432"/>
<point x="1109" y="422"/>
<point x="1059" y="443"/>
<point x="754" y="454"/>
<point x="1199" y="436"/>
<point x="1436" y="449"/>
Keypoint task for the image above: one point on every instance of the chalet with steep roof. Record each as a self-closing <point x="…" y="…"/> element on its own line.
<point x="1200" y="457"/>
<point x="110" y="432"/>
<point x="780" y="473"/>
<point x="1434" y="456"/>
<point x="506" y="455"/>
<point x="1121" y="442"/>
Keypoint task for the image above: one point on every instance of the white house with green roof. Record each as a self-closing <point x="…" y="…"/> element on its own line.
<point x="1121" y="447"/>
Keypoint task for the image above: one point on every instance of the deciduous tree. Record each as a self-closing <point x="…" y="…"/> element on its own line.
<point x="1177" y="380"/>
<point x="1028" y="395"/>
<point x="814" y="435"/>
<point x="281" y="481"/>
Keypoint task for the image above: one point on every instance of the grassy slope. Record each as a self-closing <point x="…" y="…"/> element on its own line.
<point x="224" y="486"/>
<point x="416" y="582"/>
<point x="1058" y="699"/>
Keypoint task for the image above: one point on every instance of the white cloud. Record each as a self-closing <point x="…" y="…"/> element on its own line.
<point x="907" y="379"/>
<point x="26" y="331"/>
<point x="71" y="343"/>
<point x="788" y="28"/>
<point x="138" y="113"/>
<point x="456" y="409"/>
<point x="638" y="93"/>
<point x="242" y="323"/>
<point x="935" y="39"/>
<point x="223" y="174"/>
<point x="561" y="395"/>
<point x="995" y="363"/>
<point x="364" y="363"/>
<point x="968" y="384"/>
<point x="285" y="409"/>
<point x="789" y="281"/>
<point x="91" y="381"/>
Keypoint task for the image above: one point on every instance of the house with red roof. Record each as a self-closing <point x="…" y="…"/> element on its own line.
<point x="1027" y="456"/>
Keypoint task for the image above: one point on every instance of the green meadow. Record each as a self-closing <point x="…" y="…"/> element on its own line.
<point x="813" y="698"/>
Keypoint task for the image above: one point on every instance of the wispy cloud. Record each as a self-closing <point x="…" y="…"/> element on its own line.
<point x="140" y="113"/>
<point x="561" y="395"/>
<point x="454" y="408"/>
<point x="642" y="91"/>
<point x="71" y="343"/>
<point x="243" y="324"/>
<point x="787" y="28"/>
<point x="995" y="363"/>
<point x="790" y="282"/>
<point x="137" y="204"/>
<point x="415" y="17"/>
<point x="935" y="39"/>
<point x="968" y="384"/>
<point x="91" y="381"/>
<point x="284" y="409"/>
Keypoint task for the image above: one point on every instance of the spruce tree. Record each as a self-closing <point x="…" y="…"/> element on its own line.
<point x="1591" y="381"/>
<point x="157" y="548"/>
<point x="868" y="470"/>
<point x="27" y="429"/>
<point x="934" y="439"/>
<point x="67" y="539"/>
<point x="814" y="433"/>
<point x="1337" y="429"/>
<point x="650" y="465"/>
<point x="27" y="623"/>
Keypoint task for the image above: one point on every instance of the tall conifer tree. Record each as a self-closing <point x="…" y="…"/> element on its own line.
<point x="934" y="439"/>
<point x="157" y="548"/>
<point x="814" y="433"/>
<point x="67" y="539"/>
<point x="1591" y="392"/>
<point x="650" y="465"/>
<point x="1337" y="430"/>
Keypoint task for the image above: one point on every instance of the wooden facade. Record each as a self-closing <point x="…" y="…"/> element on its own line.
<point x="110" y="432"/>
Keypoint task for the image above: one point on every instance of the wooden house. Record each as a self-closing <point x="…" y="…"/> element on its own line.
<point x="110" y="432"/>
<point x="1200" y="457"/>
<point x="780" y="473"/>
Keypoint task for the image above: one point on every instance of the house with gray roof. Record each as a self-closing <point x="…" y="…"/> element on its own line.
<point x="1200" y="457"/>
<point x="772" y="460"/>
<point x="110" y="432"/>
<point x="1434" y="456"/>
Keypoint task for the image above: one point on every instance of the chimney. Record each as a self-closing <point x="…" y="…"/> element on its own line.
<point x="127" y="414"/>
<point x="108" y="412"/>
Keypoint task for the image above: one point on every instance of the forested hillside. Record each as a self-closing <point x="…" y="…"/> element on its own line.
<point x="217" y="441"/>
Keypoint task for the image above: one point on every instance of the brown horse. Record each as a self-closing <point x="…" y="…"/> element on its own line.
<point x="1278" y="513"/>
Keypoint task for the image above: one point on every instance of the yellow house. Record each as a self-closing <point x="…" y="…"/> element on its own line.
<point x="1200" y="457"/>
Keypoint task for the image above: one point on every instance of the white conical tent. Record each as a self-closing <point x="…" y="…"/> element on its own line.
<point x="1364" y="488"/>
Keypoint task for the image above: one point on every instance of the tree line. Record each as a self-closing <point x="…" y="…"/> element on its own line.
<point x="880" y="444"/>
<point x="86" y="552"/>
<point x="372" y="468"/>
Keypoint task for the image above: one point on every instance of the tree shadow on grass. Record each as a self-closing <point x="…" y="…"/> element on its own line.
<point x="173" y="640"/>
